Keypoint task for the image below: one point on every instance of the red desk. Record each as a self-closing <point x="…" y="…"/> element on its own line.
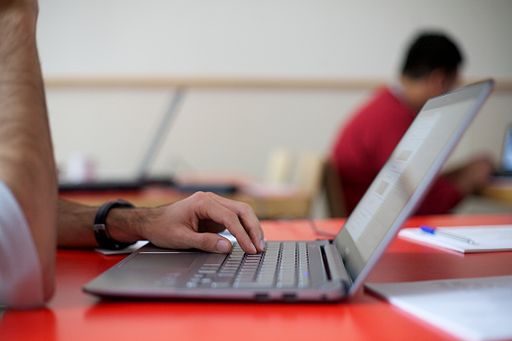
<point x="73" y="315"/>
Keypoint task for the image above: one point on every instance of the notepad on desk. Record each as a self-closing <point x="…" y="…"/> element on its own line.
<point x="470" y="308"/>
<point x="463" y="239"/>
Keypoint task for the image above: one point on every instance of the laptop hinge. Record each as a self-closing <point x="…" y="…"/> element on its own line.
<point x="335" y="266"/>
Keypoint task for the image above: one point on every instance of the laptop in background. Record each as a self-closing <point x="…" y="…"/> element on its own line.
<point x="327" y="270"/>
<point x="505" y="169"/>
<point x="142" y="178"/>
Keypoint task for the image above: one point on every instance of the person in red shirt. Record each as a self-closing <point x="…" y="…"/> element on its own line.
<point x="363" y="145"/>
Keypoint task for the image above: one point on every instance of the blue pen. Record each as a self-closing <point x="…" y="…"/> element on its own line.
<point x="434" y="231"/>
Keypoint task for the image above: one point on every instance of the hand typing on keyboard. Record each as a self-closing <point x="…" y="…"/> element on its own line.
<point x="195" y="223"/>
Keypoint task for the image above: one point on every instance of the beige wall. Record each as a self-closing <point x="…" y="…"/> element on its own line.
<point x="230" y="130"/>
<point x="315" y="38"/>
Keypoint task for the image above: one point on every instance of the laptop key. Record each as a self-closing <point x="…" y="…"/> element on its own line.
<point x="214" y="260"/>
<point x="250" y="285"/>
<point x="222" y="283"/>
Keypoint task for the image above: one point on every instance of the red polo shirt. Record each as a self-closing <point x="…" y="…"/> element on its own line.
<point x="366" y="142"/>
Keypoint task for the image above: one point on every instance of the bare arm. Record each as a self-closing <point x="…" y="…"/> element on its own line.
<point x="26" y="155"/>
<point x="191" y="223"/>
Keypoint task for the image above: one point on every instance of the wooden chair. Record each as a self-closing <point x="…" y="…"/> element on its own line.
<point x="300" y="170"/>
<point x="332" y="189"/>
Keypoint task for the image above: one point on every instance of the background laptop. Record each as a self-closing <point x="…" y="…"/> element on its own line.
<point x="505" y="169"/>
<point x="141" y="179"/>
<point x="311" y="270"/>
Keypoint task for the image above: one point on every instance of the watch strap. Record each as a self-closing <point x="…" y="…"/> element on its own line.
<point x="103" y="238"/>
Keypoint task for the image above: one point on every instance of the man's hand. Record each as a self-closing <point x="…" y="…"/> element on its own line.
<point x="473" y="176"/>
<point x="191" y="223"/>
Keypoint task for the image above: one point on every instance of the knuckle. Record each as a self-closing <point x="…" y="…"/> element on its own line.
<point x="245" y="209"/>
<point x="211" y="195"/>
<point x="203" y="196"/>
<point x="200" y="198"/>
<point x="198" y="195"/>
<point x="230" y="219"/>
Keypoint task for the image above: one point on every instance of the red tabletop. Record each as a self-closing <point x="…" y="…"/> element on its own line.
<point x="74" y="315"/>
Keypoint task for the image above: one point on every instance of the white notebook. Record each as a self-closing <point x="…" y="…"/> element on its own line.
<point x="483" y="238"/>
<point x="471" y="308"/>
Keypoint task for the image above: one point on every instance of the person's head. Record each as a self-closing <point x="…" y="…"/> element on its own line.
<point x="432" y="63"/>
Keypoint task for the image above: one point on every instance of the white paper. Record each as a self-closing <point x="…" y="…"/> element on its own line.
<point x="487" y="238"/>
<point x="472" y="308"/>
<point x="129" y="249"/>
<point x="226" y="234"/>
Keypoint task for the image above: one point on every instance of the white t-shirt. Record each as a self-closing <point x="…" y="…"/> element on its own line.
<point x="21" y="278"/>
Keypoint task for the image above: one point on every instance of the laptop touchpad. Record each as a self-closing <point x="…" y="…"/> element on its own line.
<point x="159" y="268"/>
<point x="171" y="262"/>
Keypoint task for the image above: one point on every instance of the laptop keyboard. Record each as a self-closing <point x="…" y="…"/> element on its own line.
<point x="281" y="265"/>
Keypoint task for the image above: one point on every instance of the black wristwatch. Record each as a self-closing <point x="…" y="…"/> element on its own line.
<point x="101" y="234"/>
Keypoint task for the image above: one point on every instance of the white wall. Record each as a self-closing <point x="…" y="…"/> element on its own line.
<point x="337" y="38"/>
<point x="234" y="130"/>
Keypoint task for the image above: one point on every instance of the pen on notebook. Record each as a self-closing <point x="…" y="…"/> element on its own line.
<point x="434" y="231"/>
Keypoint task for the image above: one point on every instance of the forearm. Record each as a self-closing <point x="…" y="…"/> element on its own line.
<point x="472" y="176"/>
<point x="75" y="224"/>
<point x="26" y="156"/>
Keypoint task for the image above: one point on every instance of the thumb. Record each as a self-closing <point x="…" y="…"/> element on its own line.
<point x="210" y="242"/>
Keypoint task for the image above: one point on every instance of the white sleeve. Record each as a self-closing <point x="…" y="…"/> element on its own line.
<point x="21" y="280"/>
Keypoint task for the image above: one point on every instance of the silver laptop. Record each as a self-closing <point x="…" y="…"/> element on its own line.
<point x="505" y="169"/>
<point x="326" y="270"/>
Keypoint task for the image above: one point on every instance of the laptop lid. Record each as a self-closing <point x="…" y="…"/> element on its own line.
<point x="405" y="178"/>
<point x="141" y="177"/>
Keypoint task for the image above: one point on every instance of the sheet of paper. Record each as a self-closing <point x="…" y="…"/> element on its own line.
<point x="472" y="309"/>
<point x="126" y="250"/>
<point x="226" y="234"/>
<point x="487" y="238"/>
<point x="141" y="243"/>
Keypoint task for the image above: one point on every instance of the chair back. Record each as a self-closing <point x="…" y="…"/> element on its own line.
<point x="331" y="185"/>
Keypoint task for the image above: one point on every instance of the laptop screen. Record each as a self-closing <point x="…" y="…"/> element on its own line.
<point x="506" y="160"/>
<point x="404" y="179"/>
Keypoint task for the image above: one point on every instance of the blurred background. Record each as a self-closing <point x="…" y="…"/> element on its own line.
<point x="260" y="79"/>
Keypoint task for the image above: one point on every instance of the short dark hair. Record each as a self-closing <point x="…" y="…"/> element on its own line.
<point x="431" y="51"/>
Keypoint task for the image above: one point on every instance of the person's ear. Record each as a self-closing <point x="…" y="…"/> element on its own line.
<point x="437" y="82"/>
